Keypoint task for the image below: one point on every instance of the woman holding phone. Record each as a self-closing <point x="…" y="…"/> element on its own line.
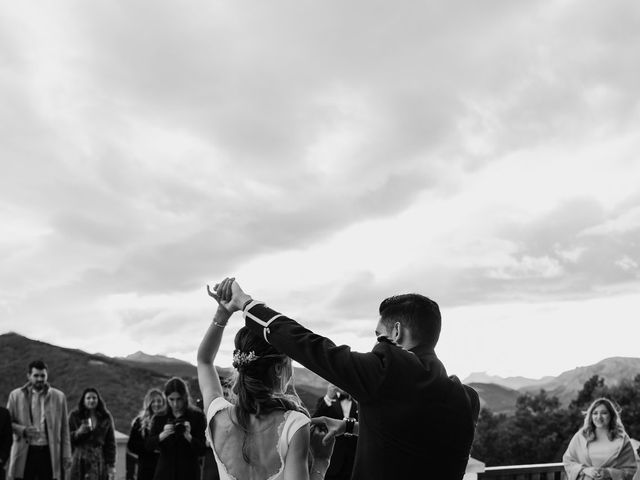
<point x="178" y="434"/>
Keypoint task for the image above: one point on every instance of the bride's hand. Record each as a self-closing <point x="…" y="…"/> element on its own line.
<point x="229" y="295"/>
<point x="221" y="293"/>
<point x="321" y="443"/>
<point x="330" y="427"/>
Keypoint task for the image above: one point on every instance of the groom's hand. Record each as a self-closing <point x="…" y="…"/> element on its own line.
<point x="238" y="297"/>
<point x="331" y="427"/>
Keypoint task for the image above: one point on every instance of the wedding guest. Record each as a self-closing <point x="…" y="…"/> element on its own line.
<point x="601" y="449"/>
<point x="41" y="448"/>
<point x="338" y="404"/>
<point x="146" y="461"/>
<point x="178" y="434"/>
<point x="92" y="439"/>
<point x="265" y="433"/>
<point x="414" y="417"/>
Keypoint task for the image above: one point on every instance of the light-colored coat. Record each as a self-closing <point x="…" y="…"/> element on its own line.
<point x="620" y="466"/>
<point x="55" y="405"/>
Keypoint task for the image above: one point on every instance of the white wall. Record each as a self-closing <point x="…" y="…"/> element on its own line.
<point x="121" y="455"/>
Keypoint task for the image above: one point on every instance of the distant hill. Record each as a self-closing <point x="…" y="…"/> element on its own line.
<point x="514" y="383"/>
<point x="310" y="380"/>
<point x="122" y="382"/>
<point x="496" y="398"/>
<point x="499" y="394"/>
<point x="309" y="385"/>
<point x="161" y="364"/>
<point x="122" y="386"/>
<point x="569" y="383"/>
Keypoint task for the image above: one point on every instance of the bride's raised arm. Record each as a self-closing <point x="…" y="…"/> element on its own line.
<point x="207" y="375"/>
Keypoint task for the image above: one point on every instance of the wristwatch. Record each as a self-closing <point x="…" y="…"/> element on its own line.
<point x="348" y="429"/>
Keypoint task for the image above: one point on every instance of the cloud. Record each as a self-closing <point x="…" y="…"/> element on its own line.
<point x="334" y="154"/>
<point x="559" y="255"/>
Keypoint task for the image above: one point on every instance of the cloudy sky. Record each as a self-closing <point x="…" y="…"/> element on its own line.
<point x="327" y="154"/>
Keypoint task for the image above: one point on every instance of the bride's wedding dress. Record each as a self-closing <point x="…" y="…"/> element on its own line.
<point x="267" y="444"/>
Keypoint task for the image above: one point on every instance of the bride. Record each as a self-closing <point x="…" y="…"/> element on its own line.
<point x="266" y="434"/>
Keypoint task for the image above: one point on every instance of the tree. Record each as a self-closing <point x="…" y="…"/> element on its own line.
<point x="540" y="429"/>
<point x="627" y="396"/>
<point x="592" y="389"/>
<point x="491" y="439"/>
<point x="534" y="434"/>
<point x="538" y="432"/>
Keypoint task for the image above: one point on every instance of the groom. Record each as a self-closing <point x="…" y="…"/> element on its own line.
<point x="415" y="421"/>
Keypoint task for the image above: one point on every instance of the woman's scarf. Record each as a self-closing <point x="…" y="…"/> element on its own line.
<point x="621" y="465"/>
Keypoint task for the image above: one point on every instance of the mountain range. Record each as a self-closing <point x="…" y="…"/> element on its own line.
<point x="501" y="393"/>
<point x="164" y="365"/>
<point x="514" y="383"/>
<point x="123" y="381"/>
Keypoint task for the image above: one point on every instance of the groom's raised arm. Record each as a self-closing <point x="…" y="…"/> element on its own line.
<point x="360" y="374"/>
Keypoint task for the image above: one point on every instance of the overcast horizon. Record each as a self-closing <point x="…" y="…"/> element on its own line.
<point x="327" y="155"/>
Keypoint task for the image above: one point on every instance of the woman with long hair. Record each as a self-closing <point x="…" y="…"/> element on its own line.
<point x="92" y="439"/>
<point x="601" y="449"/>
<point x="265" y="434"/>
<point x="152" y="404"/>
<point x="178" y="433"/>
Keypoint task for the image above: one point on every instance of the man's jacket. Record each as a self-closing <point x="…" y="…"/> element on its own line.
<point x="55" y="405"/>
<point x="415" y="421"/>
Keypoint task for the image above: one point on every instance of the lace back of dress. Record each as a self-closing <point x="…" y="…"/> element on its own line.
<point x="261" y="446"/>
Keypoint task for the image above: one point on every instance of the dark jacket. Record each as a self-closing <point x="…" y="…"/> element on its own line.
<point x="344" y="450"/>
<point x="6" y="437"/>
<point x="179" y="459"/>
<point x="415" y="421"/>
<point x="146" y="460"/>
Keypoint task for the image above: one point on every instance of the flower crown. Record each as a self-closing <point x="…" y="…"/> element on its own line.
<point x="241" y="359"/>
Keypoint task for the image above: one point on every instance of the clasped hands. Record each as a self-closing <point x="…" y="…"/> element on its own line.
<point x="30" y="432"/>
<point x="329" y="428"/>
<point x="229" y="295"/>
<point x="169" y="429"/>
<point x="596" y="473"/>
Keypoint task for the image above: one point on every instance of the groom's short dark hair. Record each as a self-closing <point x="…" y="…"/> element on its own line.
<point x="419" y="314"/>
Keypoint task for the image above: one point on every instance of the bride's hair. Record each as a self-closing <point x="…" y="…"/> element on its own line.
<point x="258" y="387"/>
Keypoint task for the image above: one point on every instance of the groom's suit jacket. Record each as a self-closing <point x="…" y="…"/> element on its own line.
<point x="415" y="421"/>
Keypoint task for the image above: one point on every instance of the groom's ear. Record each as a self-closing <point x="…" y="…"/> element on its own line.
<point x="400" y="334"/>
<point x="397" y="332"/>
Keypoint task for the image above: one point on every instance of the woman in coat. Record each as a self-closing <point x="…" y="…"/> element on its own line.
<point x="153" y="404"/>
<point x="601" y="449"/>
<point x="92" y="439"/>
